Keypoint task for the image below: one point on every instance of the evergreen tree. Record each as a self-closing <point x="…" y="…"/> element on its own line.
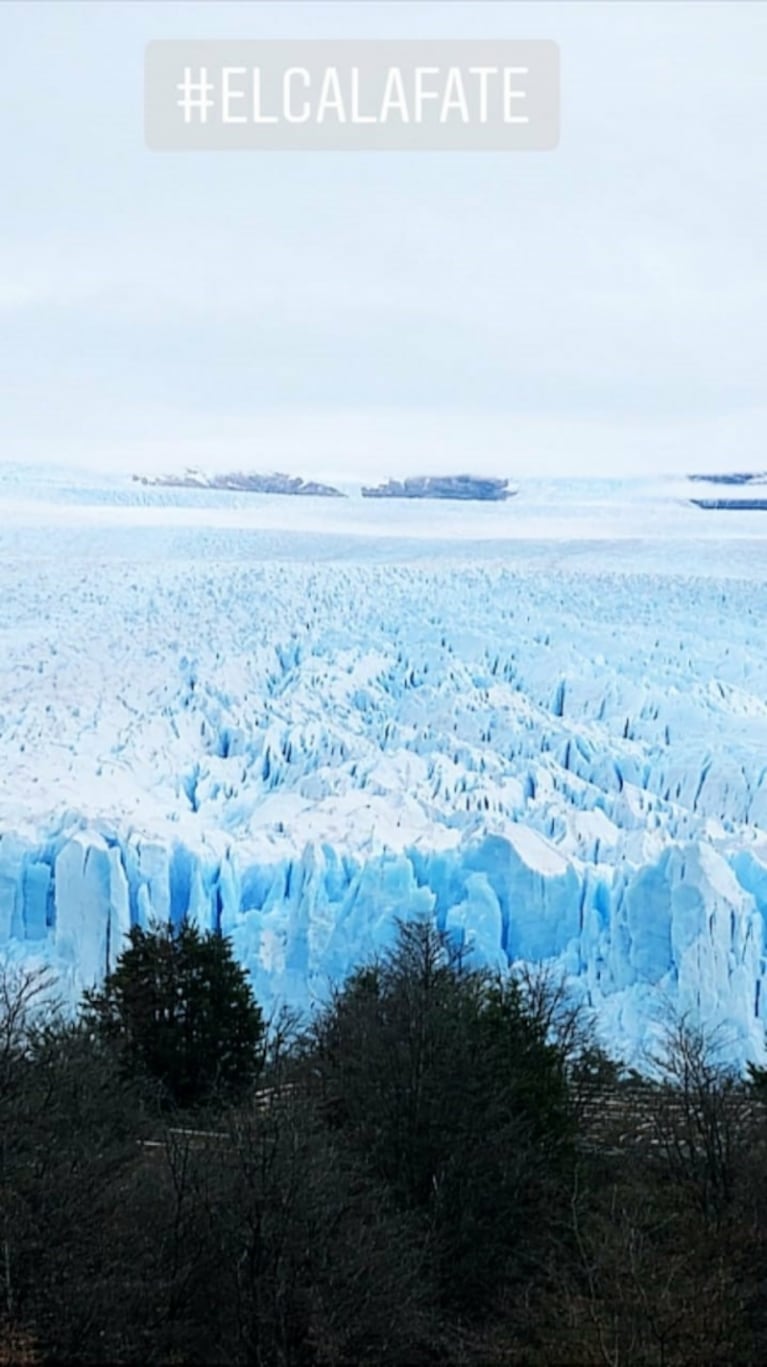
<point x="181" y="1012"/>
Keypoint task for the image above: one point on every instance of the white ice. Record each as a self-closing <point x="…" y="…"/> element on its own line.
<point x="542" y="723"/>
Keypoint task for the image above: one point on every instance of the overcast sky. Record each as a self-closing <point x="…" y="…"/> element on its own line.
<point x="601" y="307"/>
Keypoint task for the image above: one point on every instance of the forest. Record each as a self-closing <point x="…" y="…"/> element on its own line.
<point x="439" y="1166"/>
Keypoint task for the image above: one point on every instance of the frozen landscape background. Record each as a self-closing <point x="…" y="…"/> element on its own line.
<point x="542" y="723"/>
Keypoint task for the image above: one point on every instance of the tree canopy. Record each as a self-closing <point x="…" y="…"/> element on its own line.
<point x="446" y="1080"/>
<point x="181" y="1013"/>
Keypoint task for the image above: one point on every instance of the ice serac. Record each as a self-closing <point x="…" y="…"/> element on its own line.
<point x="12" y="867"/>
<point x="83" y="907"/>
<point x="687" y="929"/>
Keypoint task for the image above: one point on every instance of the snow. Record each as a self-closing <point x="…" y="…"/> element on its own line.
<point x="542" y="724"/>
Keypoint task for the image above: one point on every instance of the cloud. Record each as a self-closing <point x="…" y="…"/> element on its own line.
<point x="603" y="303"/>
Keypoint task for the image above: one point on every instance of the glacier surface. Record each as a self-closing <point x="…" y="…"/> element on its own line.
<point x="542" y="724"/>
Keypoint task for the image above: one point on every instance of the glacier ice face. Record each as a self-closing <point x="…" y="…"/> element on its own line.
<point x="681" y="931"/>
<point x="299" y="741"/>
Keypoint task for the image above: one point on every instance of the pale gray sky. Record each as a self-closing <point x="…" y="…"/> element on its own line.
<point x="599" y="307"/>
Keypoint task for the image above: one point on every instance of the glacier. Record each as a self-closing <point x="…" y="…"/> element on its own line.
<point x="542" y="724"/>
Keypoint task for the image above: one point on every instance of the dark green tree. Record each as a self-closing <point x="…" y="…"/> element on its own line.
<point x="181" y="1013"/>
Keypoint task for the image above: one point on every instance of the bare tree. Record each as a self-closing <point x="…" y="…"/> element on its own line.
<point x="26" y="998"/>
<point x="701" y="1113"/>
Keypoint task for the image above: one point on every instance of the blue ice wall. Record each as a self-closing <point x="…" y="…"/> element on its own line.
<point x="687" y="927"/>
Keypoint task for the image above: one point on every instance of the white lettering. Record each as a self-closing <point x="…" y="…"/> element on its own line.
<point x="331" y="97"/>
<point x="258" y="115"/>
<point x="228" y="94"/>
<point x="483" y="72"/>
<point x="455" y="96"/>
<point x="288" y="79"/>
<point x="357" y="117"/>
<point x="394" y="96"/>
<point x="420" y="93"/>
<point x="512" y="93"/>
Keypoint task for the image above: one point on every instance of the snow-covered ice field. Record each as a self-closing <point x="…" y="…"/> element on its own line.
<point x="543" y="723"/>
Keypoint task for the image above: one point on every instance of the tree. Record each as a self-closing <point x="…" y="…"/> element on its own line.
<point x="701" y="1114"/>
<point x="180" y="1011"/>
<point x="68" y="1131"/>
<point x="449" y="1087"/>
<point x="26" y="997"/>
<point x="310" y="1264"/>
